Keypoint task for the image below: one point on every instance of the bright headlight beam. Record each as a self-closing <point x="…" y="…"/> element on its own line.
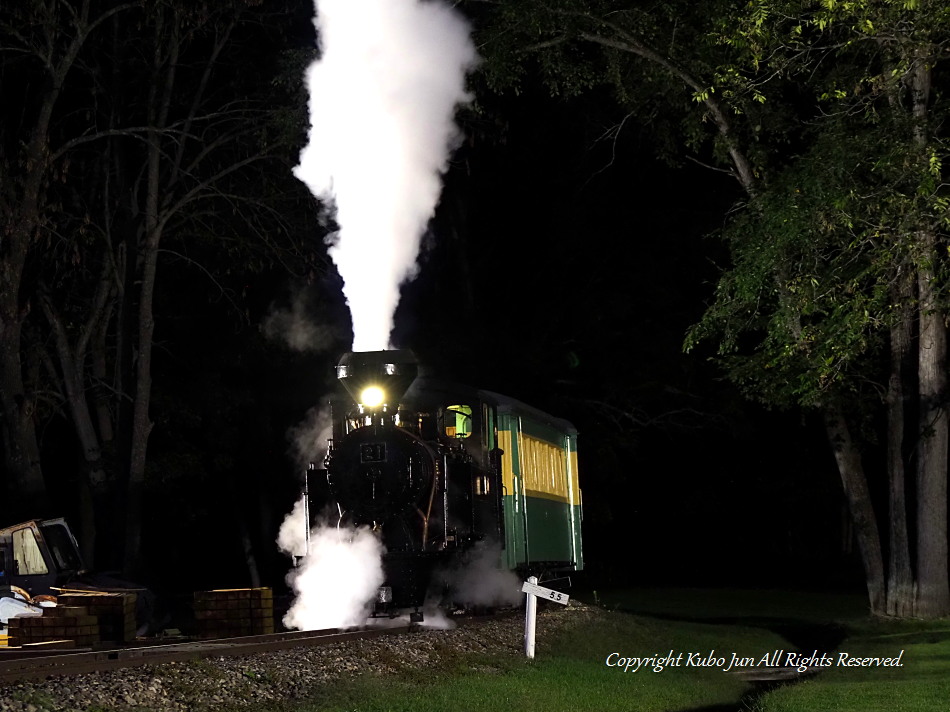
<point x="372" y="396"/>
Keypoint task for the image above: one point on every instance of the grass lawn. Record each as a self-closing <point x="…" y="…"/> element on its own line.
<point x="738" y="604"/>
<point x="570" y="673"/>
<point x="922" y="684"/>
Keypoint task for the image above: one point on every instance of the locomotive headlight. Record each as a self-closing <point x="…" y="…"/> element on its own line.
<point x="372" y="397"/>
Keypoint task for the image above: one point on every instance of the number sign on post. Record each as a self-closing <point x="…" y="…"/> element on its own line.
<point x="548" y="594"/>
<point x="534" y="592"/>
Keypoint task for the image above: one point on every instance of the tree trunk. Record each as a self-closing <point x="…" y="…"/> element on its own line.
<point x="21" y="450"/>
<point x="25" y="488"/>
<point x="141" y="421"/>
<point x="900" y="579"/>
<point x="159" y="96"/>
<point x="933" y="589"/>
<point x="71" y="362"/>
<point x="87" y="525"/>
<point x="247" y="546"/>
<point x="859" y="504"/>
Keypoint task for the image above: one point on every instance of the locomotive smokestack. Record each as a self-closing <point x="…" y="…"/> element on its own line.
<point x="377" y="378"/>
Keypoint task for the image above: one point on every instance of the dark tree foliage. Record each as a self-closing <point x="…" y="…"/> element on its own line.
<point x="828" y="115"/>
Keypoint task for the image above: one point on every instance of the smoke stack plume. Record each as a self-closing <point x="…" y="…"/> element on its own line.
<point x="382" y="99"/>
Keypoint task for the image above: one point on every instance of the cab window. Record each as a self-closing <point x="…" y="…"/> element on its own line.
<point x="61" y="547"/>
<point x="458" y="421"/>
<point x="27" y="553"/>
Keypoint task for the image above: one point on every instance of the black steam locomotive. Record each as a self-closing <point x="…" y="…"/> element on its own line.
<point x="435" y="468"/>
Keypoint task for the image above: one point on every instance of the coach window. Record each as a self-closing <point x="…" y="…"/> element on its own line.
<point x="27" y="553"/>
<point x="458" y="421"/>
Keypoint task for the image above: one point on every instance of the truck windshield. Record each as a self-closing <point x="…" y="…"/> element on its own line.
<point x="27" y="553"/>
<point x="61" y="547"/>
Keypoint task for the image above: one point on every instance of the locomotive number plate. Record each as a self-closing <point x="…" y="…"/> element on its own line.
<point x="373" y="452"/>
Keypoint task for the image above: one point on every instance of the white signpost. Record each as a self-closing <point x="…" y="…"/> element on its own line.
<point x="534" y="591"/>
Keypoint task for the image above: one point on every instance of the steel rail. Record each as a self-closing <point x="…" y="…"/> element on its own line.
<point x="40" y="665"/>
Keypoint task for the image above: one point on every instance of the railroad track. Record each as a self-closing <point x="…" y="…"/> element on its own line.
<point x="18" y="665"/>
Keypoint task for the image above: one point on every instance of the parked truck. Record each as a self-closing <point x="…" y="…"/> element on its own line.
<point x="38" y="556"/>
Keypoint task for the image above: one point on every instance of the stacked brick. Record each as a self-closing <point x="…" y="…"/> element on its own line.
<point x="59" y="627"/>
<point x="234" y="612"/>
<point x="115" y="612"/>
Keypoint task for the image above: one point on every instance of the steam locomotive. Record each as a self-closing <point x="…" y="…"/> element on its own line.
<point x="435" y="467"/>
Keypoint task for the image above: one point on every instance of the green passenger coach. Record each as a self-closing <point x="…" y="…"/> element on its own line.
<point x="530" y="457"/>
<point x="541" y="500"/>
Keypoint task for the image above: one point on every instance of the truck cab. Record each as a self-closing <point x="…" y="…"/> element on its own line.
<point x="6" y="565"/>
<point x="39" y="555"/>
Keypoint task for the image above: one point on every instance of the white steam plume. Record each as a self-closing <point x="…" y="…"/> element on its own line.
<point x="308" y="444"/>
<point x="382" y="99"/>
<point x="433" y="617"/>
<point x="336" y="582"/>
<point x="292" y="536"/>
<point x="479" y="580"/>
<point x="342" y="567"/>
<point x="309" y="439"/>
<point x="298" y="329"/>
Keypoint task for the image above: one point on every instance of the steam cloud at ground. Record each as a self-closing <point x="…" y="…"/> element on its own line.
<point x="335" y="583"/>
<point x="435" y="618"/>
<point x="382" y="101"/>
<point x="479" y="580"/>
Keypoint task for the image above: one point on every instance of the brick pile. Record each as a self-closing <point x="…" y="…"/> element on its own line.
<point x="226" y="613"/>
<point x="115" y="612"/>
<point x="60" y="627"/>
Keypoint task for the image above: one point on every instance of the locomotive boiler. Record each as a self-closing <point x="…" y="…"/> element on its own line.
<point x="435" y="467"/>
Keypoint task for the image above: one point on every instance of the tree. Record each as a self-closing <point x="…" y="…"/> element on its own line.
<point x="150" y="147"/>
<point x="879" y="91"/>
<point x="51" y="36"/>
<point x="825" y="274"/>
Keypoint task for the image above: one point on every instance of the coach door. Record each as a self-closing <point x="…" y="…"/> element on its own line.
<point x="516" y="543"/>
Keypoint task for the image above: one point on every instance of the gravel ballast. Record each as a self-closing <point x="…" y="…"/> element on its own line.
<point x="296" y="673"/>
